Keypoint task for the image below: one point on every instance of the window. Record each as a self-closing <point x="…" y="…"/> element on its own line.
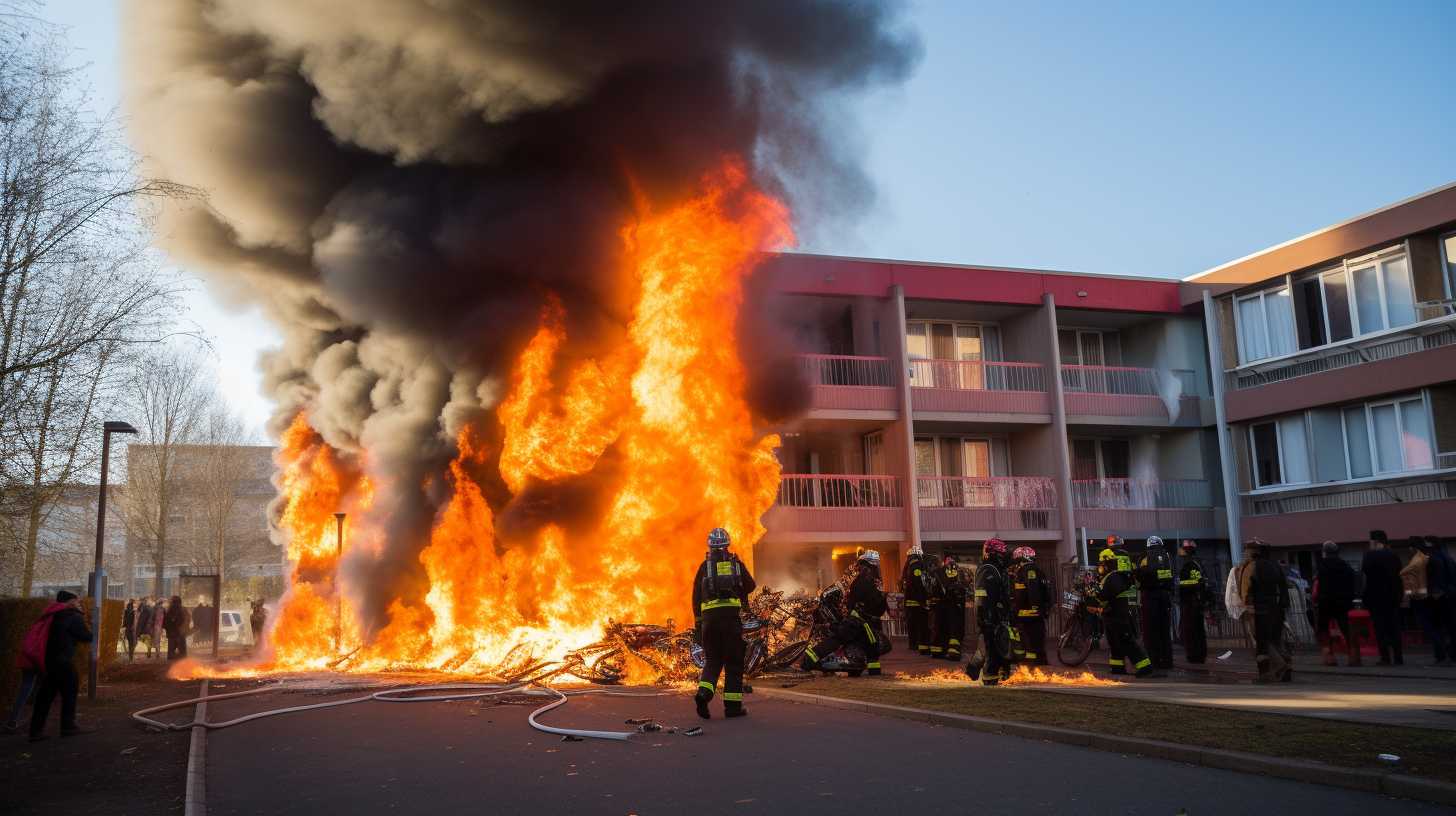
<point x="1353" y="442"/>
<point x="1448" y="253"/>
<point x="1337" y="305"/>
<point x="1281" y="452"/>
<point x="1101" y="458"/>
<point x="954" y="457"/>
<point x="1309" y="313"/>
<point x="1266" y="324"/>
<point x="951" y="343"/>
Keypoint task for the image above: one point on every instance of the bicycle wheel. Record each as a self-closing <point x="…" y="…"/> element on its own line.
<point x="1076" y="642"/>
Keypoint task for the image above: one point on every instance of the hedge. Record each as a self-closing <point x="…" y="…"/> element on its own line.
<point x="16" y="617"/>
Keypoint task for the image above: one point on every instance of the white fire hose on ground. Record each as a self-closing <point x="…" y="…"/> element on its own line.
<point x="405" y="694"/>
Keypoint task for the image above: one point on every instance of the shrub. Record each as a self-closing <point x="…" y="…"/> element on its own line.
<point x="16" y="617"/>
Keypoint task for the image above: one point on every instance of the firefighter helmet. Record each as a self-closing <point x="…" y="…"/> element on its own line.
<point x="1189" y="545"/>
<point x="1021" y="553"/>
<point x="1106" y="555"/>
<point x="718" y="539"/>
<point x="1155" y="541"/>
<point x="871" y="557"/>
<point x="1330" y="548"/>
<point x="994" y="546"/>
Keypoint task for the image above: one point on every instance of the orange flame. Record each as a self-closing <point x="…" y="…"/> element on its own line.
<point x="668" y="402"/>
<point x="1031" y="675"/>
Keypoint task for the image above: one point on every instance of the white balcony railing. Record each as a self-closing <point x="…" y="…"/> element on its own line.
<point x="1108" y="494"/>
<point x="1434" y="487"/>
<point x="838" y="490"/>
<point x="1438" y="329"/>
<point x="847" y="370"/>
<point x="1005" y="492"/>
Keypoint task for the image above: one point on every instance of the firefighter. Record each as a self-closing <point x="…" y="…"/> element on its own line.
<point x="866" y="604"/>
<point x="1155" y="581"/>
<point x="1268" y="594"/>
<point x="915" y="584"/>
<point x="1115" y="597"/>
<point x="993" y="607"/>
<point x="720" y="591"/>
<point x="1192" y="603"/>
<point x="950" y="610"/>
<point x="1029" y="601"/>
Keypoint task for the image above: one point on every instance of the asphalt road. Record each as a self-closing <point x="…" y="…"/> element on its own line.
<point x="384" y="758"/>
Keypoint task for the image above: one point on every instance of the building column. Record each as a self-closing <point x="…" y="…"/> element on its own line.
<point x="1225" y="441"/>
<point x="907" y="420"/>
<point x="1068" y="547"/>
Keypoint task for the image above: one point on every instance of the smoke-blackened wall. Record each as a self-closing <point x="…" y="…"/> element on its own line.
<point x="401" y="183"/>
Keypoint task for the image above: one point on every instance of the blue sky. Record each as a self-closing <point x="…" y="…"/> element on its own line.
<point x="1131" y="138"/>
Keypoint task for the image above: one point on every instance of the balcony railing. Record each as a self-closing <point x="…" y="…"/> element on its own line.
<point x="1434" y="487"/>
<point x="971" y="503"/>
<point x="1139" y="493"/>
<point x="845" y="382"/>
<point x="1437" y="330"/>
<point x="979" y="386"/>
<point x="840" y="504"/>
<point x="1123" y="391"/>
<point x="1168" y="505"/>
<point x="838" y="490"/>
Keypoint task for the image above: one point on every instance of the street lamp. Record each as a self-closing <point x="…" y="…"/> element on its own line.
<point x="98" y="576"/>
<point x="338" y="593"/>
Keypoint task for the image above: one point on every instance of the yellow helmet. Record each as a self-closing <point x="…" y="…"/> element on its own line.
<point x="1106" y="555"/>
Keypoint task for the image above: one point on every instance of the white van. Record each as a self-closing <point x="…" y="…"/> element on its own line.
<point x="231" y="628"/>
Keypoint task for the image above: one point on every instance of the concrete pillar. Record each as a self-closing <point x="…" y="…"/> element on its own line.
<point x="1225" y="441"/>
<point x="1068" y="545"/>
<point x="907" y="420"/>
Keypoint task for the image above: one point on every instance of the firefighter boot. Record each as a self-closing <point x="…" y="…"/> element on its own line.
<point x="702" y="698"/>
<point x="733" y="708"/>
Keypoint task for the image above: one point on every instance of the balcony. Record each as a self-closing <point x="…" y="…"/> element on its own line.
<point x="1143" y="505"/>
<point x="986" y="505"/>
<point x="1130" y="393"/>
<point x="847" y="383"/>
<point x="978" y="386"/>
<point x="1403" y="504"/>
<point x="1437" y="331"/>
<point x="1404" y="489"/>
<point x="838" y="507"/>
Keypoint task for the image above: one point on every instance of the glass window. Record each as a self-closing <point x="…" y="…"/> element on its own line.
<point x="1266" y="454"/>
<point x="1357" y="442"/>
<point x="1337" y="305"/>
<point x="1367" y="300"/>
<point x="1329" y="445"/>
<point x="1253" y="343"/>
<point x="1400" y="301"/>
<point x="924" y="457"/>
<point x="968" y="343"/>
<point x="1448" y="248"/>
<point x="1279" y="309"/>
<point x="1387" y="438"/>
<point x="977" y="457"/>
<point x="1415" y="435"/>
<point x="1084" y="459"/>
<point x="916" y="343"/>
<point x="1116" y="458"/>
<point x="942" y="341"/>
<point x="1309" y="313"/>
<point x="1294" y="449"/>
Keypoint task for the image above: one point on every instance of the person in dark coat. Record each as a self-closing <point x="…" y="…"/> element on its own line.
<point x="1441" y="586"/>
<point x="1382" y="596"/>
<point x="1269" y="596"/>
<point x="129" y="628"/>
<point x="175" y="621"/>
<point x="68" y="628"/>
<point x="1334" y="594"/>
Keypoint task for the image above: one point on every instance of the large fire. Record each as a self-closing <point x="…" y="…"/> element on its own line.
<point x="668" y="402"/>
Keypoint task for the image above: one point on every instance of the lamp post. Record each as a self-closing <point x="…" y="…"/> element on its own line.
<point x="98" y="577"/>
<point x="338" y="593"/>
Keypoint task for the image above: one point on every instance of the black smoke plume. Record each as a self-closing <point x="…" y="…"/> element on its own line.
<point x="400" y="183"/>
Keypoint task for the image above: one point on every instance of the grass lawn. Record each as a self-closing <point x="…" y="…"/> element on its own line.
<point x="1423" y="751"/>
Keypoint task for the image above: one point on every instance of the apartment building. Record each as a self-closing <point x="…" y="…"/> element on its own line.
<point x="955" y="403"/>
<point x="1336" y="355"/>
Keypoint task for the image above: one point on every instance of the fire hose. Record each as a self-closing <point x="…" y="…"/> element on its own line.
<point x="405" y="694"/>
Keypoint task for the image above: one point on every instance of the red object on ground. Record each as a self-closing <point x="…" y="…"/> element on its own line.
<point x="1363" y="631"/>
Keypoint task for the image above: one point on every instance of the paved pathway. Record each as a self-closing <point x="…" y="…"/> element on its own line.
<point x="432" y="758"/>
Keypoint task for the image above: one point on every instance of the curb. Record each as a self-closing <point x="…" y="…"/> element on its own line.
<point x="196" y="797"/>
<point x="1383" y="782"/>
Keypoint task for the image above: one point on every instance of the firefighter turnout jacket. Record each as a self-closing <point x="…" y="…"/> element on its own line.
<point x="1155" y="570"/>
<point x="721" y="584"/>
<point x="1028" y="590"/>
<point x="1191" y="586"/>
<point x="915" y="581"/>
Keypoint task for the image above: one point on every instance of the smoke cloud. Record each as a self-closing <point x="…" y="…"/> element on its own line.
<point x="401" y="183"/>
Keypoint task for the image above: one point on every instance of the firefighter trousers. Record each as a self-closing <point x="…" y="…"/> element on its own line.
<point x="1125" y="655"/>
<point x="723" y="650"/>
<point x="997" y="666"/>
<point x="851" y="632"/>
<point x="1032" y="629"/>
<point x="1158" y="627"/>
<point x="917" y="626"/>
<point x="1195" y="638"/>
<point x="950" y="630"/>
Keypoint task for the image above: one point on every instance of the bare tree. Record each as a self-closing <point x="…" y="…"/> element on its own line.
<point x="219" y="469"/>
<point x="169" y="398"/>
